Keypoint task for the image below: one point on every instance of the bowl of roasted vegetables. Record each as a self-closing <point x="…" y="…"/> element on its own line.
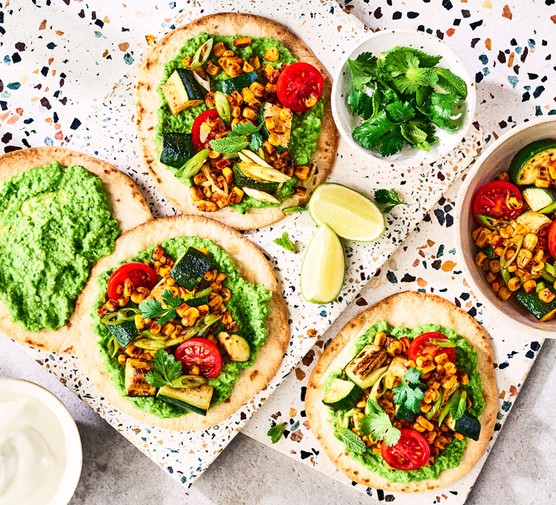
<point x="403" y="98"/>
<point x="506" y="226"/>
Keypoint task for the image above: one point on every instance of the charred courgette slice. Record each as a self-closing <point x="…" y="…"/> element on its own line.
<point x="533" y="163"/>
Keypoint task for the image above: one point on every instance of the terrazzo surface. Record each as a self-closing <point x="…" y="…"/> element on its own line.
<point x="64" y="80"/>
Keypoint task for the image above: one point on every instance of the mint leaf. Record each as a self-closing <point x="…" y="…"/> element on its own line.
<point x="360" y="103"/>
<point x="446" y="110"/>
<point x="245" y="129"/>
<point x="451" y="82"/>
<point x="230" y="143"/>
<point x="275" y="432"/>
<point x="285" y="242"/>
<point x="378" y="425"/>
<point x="415" y="136"/>
<point x="351" y="441"/>
<point x="362" y="69"/>
<point x="165" y="369"/>
<point x="409" y="393"/>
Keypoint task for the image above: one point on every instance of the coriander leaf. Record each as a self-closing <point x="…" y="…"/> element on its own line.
<point x="245" y="129"/>
<point x="379" y="134"/>
<point x="360" y="103"/>
<point x="153" y="309"/>
<point x="170" y="299"/>
<point x="295" y="208"/>
<point x="275" y="432"/>
<point x="165" y="369"/>
<point x="399" y="111"/>
<point x="397" y="61"/>
<point x="409" y="393"/>
<point x="390" y="197"/>
<point x="446" y="110"/>
<point x="362" y="69"/>
<point x="451" y="82"/>
<point x="378" y="425"/>
<point x="255" y="141"/>
<point x="230" y="143"/>
<point x="425" y="60"/>
<point x="285" y="242"/>
<point x="352" y="442"/>
<point x="150" y="308"/>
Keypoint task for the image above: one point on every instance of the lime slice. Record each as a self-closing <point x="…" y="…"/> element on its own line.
<point x="350" y="214"/>
<point x="322" y="271"/>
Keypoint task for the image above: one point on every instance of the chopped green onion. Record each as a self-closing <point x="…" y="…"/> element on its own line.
<point x="188" y="381"/>
<point x="296" y="208"/>
<point x="193" y="165"/>
<point x="127" y="314"/>
<point x="113" y="347"/>
<point x="223" y="106"/>
<point x="201" y="55"/>
<point x="440" y="342"/>
<point x="505" y="275"/>
<point x="491" y="222"/>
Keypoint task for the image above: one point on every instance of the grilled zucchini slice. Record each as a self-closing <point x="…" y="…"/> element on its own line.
<point x="182" y="91"/>
<point x="342" y="394"/>
<point x="124" y="332"/>
<point x="190" y="269"/>
<point x="236" y="83"/>
<point x="135" y="378"/>
<point x="177" y="148"/>
<point x="196" y="399"/>
<point x="235" y="346"/>
<point x="360" y="369"/>
<point x="533" y="162"/>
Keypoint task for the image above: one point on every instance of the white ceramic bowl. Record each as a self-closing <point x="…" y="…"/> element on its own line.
<point x="493" y="160"/>
<point x="383" y="41"/>
<point x="72" y="441"/>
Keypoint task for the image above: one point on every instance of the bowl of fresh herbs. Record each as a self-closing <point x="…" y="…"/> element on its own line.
<point x="403" y="98"/>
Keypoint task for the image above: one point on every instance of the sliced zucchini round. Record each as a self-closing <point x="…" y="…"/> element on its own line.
<point x="342" y="394"/>
<point x="538" y="198"/>
<point x="525" y="167"/>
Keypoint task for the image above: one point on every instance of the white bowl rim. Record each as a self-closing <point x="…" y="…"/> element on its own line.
<point x="74" y="453"/>
<point x="464" y="188"/>
<point x="464" y="72"/>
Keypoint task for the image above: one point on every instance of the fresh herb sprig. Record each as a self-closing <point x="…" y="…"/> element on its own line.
<point x="351" y="441"/>
<point x="388" y="197"/>
<point x="153" y="309"/>
<point x="286" y="242"/>
<point x="275" y="432"/>
<point x="410" y="96"/>
<point x="165" y="369"/>
<point x="409" y="393"/>
<point x="377" y="424"/>
<point x="242" y="135"/>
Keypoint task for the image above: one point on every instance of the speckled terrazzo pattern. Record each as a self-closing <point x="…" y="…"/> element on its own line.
<point x="426" y="262"/>
<point x="70" y="83"/>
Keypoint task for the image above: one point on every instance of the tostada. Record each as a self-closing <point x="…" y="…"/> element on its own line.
<point x="404" y="398"/>
<point x="182" y="324"/>
<point x="234" y="119"/>
<point x="60" y="211"/>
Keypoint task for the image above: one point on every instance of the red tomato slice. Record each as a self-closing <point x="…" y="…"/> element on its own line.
<point x="201" y="352"/>
<point x="422" y="346"/>
<point x="196" y="128"/>
<point x="552" y="239"/>
<point x="411" y="452"/>
<point x="299" y="86"/>
<point x="140" y="274"/>
<point x="498" y="199"/>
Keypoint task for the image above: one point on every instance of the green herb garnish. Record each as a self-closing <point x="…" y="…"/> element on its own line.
<point x="458" y="404"/>
<point x="389" y="197"/>
<point x="409" y="97"/>
<point x="352" y="442"/>
<point x="276" y="431"/>
<point x="165" y="369"/>
<point x="377" y="424"/>
<point x="242" y="135"/>
<point x="409" y="393"/>
<point x="285" y="242"/>
<point x="153" y="309"/>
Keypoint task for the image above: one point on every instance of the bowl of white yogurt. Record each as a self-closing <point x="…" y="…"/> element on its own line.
<point x="40" y="446"/>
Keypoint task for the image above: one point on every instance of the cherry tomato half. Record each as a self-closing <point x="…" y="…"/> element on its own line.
<point x="499" y="199"/>
<point x="196" y="128"/>
<point x="299" y="86"/>
<point x="411" y="452"/>
<point x="552" y="239"/>
<point x="140" y="274"/>
<point x="422" y="346"/>
<point x="201" y="352"/>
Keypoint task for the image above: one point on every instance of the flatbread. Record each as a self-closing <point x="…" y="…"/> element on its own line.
<point x="127" y="206"/>
<point x="253" y="267"/>
<point x="405" y="309"/>
<point x="148" y="101"/>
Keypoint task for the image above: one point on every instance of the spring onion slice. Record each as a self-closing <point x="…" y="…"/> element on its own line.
<point x="193" y="165"/>
<point x="223" y="106"/>
<point x="201" y="55"/>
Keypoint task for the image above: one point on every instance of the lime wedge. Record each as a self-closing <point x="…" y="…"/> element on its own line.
<point x="322" y="271"/>
<point x="350" y="214"/>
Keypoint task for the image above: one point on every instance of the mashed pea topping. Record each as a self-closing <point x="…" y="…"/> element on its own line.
<point x="55" y="222"/>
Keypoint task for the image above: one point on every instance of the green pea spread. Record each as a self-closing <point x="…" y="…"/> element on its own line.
<point x="55" y="222"/>
<point x="466" y="360"/>
<point x="305" y="126"/>
<point x="249" y="306"/>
